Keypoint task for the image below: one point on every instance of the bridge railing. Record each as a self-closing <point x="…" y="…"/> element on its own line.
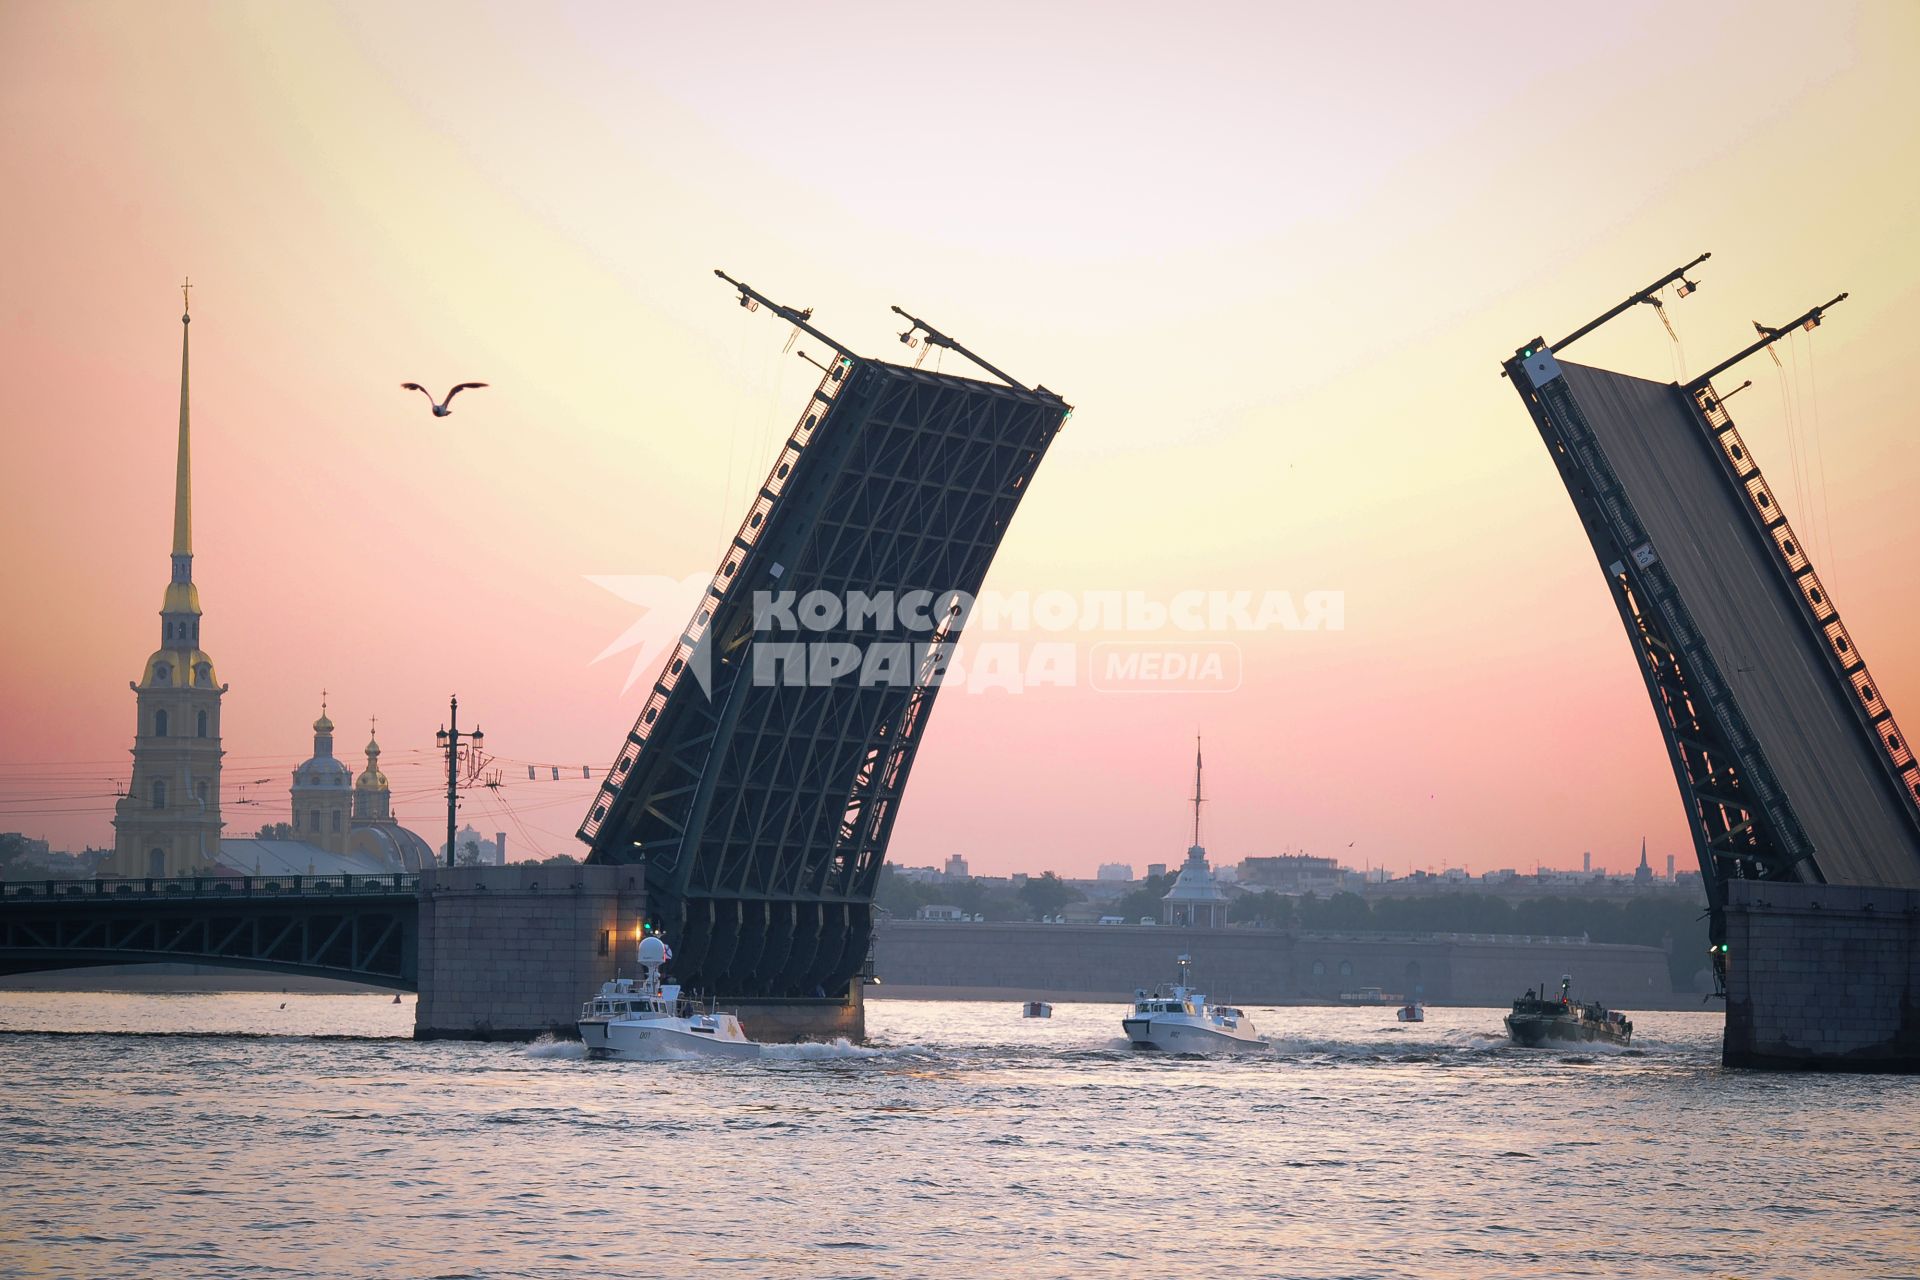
<point x="202" y="887"/>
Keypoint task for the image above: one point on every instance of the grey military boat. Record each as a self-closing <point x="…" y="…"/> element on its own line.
<point x="1537" y="1020"/>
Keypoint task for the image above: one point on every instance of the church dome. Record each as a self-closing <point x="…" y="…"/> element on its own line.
<point x="322" y="770"/>
<point x="371" y="779"/>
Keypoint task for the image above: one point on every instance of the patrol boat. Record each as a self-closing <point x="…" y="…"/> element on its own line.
<point x="647" y="1019"/>
<point x="1536" y="1020"/>
<point x="1178" y="1019"/>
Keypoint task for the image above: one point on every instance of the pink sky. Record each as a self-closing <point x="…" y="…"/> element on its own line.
<point x="1272" y="253"/>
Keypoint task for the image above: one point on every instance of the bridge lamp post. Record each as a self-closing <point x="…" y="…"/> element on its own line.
<point x="449" y="740"/>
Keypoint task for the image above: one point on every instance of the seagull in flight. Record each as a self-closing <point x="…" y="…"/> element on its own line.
<point x="440" y="410"/>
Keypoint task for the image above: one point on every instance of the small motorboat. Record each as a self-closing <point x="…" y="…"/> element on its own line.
<point x="1036" y="1009"/>
<point x="647" y="1019"/>
<point x="1411" y="1011"/>
<point x="1178" y="1019"/>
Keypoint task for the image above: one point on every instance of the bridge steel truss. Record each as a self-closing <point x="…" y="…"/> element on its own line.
<point x="363" y="929"/>
<point x="1743" y="821"/>
<point x="760" y="794"/>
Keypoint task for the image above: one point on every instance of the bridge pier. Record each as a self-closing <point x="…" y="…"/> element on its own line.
<point x="1822" y="977"/>
<point x="509" y="953"/>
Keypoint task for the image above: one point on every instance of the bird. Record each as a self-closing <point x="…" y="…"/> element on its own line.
<point x="440" y="410"/>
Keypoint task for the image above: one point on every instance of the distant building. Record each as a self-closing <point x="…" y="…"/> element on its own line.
<point x="1196" y="899"/>
<point x="1643" y="874"/>
<point x="939" y="911"/>
<point x="1669" y="866"/>
<point x="1115" y="871"/>
<point x="1155" y="870"/>
<point x="475" y="849"/>
<point x="956" y="868"/>
<point x="1291" y="872"/>
<point x="169" y="822"/>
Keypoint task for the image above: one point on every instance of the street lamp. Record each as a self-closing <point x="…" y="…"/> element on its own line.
<point x="449" y="740"/>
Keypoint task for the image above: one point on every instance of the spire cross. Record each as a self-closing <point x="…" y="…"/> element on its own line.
<point x="186" y="303"/>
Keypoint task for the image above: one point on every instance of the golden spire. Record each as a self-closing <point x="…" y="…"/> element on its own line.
<point x="183" y="475"/>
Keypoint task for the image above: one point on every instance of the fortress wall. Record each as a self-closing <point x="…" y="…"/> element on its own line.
<point x="1250" y="966"/>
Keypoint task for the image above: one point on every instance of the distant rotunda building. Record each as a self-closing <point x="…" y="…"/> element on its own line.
<point x="1196" y="899"/>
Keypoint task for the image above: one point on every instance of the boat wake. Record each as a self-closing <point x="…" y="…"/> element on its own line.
<point x="819" y="1051"/>
<point x="548" y="1047"/>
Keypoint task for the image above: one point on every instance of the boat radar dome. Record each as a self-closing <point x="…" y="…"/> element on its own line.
<point x="653" y="951"/>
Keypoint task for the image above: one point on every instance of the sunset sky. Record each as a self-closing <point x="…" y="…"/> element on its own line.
<point x="1273" y="254"/>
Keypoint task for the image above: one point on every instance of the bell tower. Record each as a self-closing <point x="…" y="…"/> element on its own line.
<point x="168" y="823"/>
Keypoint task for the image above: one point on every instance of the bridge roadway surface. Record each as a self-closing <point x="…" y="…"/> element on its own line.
<point x="1772" y="661"/>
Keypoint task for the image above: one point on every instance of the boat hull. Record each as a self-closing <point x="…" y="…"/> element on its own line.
<point x="652" y="1042"/>
<point x="1533" y="1031"/>
<point x="1188" y="1037"/>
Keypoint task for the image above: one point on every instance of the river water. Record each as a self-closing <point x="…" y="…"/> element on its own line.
<point x="303" y="1135"/>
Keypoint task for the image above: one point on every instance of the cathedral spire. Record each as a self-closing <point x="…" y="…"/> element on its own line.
<point x="180" y="613"/>
<point x="183" y="471"/>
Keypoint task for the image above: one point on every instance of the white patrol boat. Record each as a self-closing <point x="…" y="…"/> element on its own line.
<point x="1178" y="1019"/>
<point x="646" y="1019"/>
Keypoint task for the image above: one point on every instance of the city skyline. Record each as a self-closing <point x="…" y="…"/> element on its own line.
<point x="1479" y="707"/>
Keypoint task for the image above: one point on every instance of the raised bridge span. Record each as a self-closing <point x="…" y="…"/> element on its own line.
<point x="1793" y="770"/>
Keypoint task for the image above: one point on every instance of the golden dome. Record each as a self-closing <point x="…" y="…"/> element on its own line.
<point x="371" y="779"/>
